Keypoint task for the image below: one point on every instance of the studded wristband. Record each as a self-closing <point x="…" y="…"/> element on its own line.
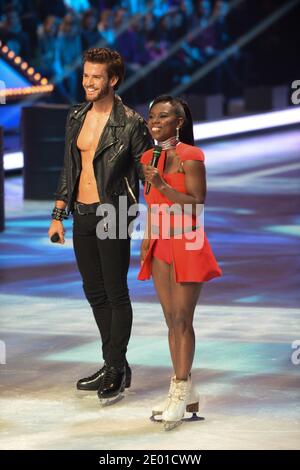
<point x="59" y="214"/>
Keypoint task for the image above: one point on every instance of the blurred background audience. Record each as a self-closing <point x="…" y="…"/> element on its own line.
<point x="52" y="36"/>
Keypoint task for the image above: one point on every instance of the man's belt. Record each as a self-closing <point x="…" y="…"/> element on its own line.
<point x="84" y="209"/>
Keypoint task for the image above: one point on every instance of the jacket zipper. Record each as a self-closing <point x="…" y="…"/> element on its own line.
<point x="115" y="156"/>
<point x="104" y="148"/>
<point x="130" y="190"/>
<point x="69" y="170"/>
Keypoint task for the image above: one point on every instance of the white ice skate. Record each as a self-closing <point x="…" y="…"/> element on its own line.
<point x="180" y="402"/>
<point x="192" y="405"/>
<point x="159" y="408"/>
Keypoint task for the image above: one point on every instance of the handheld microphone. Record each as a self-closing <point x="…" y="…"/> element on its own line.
<point x="154" y="162"/>
<point x="55" y="238"/>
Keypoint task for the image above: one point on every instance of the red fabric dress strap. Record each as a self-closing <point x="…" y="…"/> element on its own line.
<point x="189" y="152"/>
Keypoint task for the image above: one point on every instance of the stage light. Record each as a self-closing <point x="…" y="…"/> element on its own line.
<point x="42" y="83"/>
<point x="210" y="130"/>
<point x="205" y="130"/>
<point x="13" y="161"/>
<point x="18" y="92"/>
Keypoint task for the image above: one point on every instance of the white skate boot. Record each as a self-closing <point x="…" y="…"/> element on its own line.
<point x="158" y="409"/>
<point x="192" y="405"/>
<point x="178" y="404"/>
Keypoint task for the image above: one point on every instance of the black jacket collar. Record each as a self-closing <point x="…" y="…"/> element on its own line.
<point x="116" y="118"/>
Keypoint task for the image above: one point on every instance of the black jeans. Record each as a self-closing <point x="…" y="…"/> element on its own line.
<point x="103" y="265"/>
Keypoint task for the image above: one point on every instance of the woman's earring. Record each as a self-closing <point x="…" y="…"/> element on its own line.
<point x="177" y="133"/>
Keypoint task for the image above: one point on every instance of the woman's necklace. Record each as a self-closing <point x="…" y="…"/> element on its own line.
<point x="169" y="143"/>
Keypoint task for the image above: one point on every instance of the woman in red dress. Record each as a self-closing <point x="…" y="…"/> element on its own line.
<point x="175" y="250"/>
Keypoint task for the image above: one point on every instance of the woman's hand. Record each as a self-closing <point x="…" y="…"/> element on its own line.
<point x="152" y="176"/>
<point x="144" y="249"/>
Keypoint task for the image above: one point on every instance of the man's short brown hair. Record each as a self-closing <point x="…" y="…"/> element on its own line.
<point x="104" y="55"/>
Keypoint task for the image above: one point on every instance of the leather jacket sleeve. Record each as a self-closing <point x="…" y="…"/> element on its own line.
<point x="140" y="142"/>
<point x="61" y="193"/>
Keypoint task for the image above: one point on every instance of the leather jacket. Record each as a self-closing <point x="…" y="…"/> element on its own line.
<point x="116" y="162"/>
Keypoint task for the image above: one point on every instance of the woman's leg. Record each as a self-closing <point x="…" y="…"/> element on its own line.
<point x="184" y="297"/>
<point x="161" y="273"/>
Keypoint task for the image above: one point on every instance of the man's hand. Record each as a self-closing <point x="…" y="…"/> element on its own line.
<point x="57" y="227"/>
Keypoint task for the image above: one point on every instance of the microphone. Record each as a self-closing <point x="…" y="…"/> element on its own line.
<point x="154" y="162"/>
<point x="55" y="238"/>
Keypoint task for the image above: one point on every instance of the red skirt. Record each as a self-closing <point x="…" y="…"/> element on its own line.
<point x="190" y="265"/>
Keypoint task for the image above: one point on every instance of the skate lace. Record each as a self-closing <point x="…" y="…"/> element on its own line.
<point x="109" y="376"/>
<point x="172" y="387"/>
<point x="180" y="392"/>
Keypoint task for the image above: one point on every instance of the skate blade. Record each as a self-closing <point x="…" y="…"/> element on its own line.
<point x="194" y="417"/>
<point x="156" y="418"/>
<point x="169" y="425"/>
<point x="110" y="401"/>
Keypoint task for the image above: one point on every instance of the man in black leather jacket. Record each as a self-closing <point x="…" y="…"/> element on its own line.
<point x="116" y="158"/>
<point x="104" y="142"/>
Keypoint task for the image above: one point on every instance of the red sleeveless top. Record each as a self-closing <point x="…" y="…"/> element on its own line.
<point x="192" y="256"/>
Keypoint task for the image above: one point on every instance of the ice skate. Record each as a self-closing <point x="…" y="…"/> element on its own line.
<point x="158" y="409"/>
<point x="112" y="386"/>
<point x="93" y="382"/>
<point x="179" y="403"/>
<point x="191" y="407"/>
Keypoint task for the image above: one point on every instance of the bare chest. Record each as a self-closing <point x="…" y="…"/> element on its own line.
<point x="91" y="132"/>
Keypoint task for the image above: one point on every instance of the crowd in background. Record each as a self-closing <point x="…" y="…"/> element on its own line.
<point x="52" y="35"/>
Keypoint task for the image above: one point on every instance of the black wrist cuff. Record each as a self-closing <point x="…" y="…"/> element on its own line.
<point x="59" y="214"/>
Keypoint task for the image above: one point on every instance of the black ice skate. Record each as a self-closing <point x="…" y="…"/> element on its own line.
<point x="112" y="386"/>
